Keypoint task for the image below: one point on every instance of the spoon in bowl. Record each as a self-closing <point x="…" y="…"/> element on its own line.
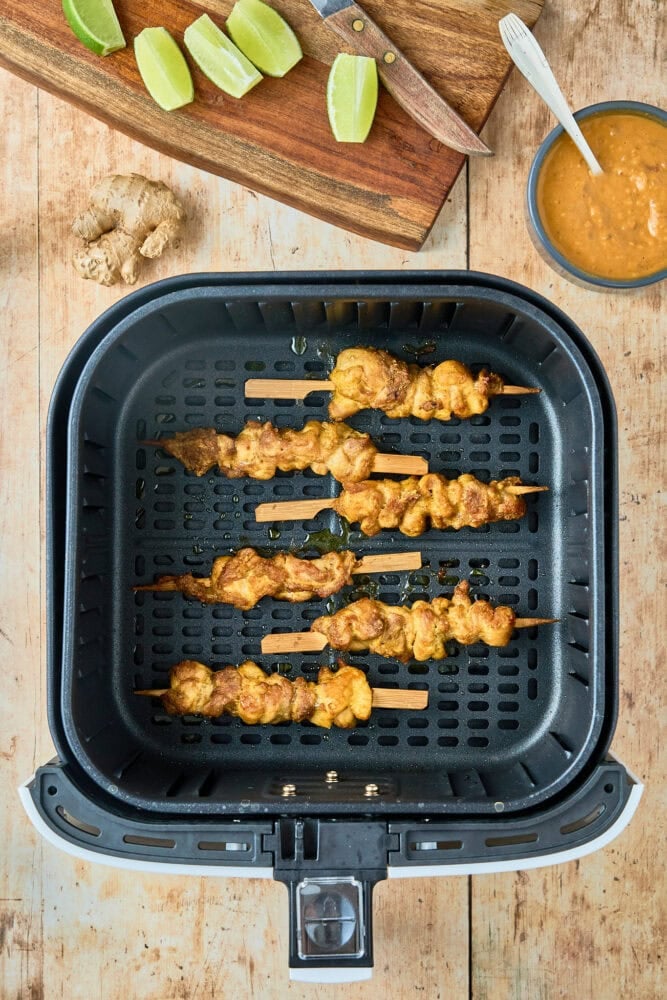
<point x="531" y="61"/>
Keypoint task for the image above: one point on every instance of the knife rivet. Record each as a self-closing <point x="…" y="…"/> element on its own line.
<point x="358" y="24"/>
<point x="389" y="57"/>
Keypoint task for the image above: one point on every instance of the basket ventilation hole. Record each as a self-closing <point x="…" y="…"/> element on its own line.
<point x="436" y="845"/>
<point x="148" y="841"/>
<point x="230" y="845"/>
<point x="78" y="824"/>
<point x="580" y="824"/>
<point x="518" y="838"/>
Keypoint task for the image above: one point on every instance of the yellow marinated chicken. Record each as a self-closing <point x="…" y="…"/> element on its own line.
<point x="339" y="698"/>
<point x="413" y="505"/>
<point x="419" y="632"/>
<point x="260" y="449"/>
<point x="368" y="378"/>
<point x="246" y="577"/>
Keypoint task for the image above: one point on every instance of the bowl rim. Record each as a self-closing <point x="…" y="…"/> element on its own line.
<point x="637" y="107"/>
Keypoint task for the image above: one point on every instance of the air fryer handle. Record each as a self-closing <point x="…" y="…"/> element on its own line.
<point x="331" y="928"/>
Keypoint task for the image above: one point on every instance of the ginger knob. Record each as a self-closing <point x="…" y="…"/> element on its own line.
<point x="129" y="217"/>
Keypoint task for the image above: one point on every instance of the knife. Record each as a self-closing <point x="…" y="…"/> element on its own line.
<point x="404" y="83"/>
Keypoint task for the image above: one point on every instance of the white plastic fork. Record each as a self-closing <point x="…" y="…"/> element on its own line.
<point x="531" y="61"/>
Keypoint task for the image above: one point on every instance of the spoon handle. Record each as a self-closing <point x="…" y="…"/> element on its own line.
<point x="531" y="61"/>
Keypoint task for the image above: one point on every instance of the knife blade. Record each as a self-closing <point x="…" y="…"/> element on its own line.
<point x="406" y="85"/>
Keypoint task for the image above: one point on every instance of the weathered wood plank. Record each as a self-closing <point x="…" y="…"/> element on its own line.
<point x="595" y="927"/>
<point x="22" y="709"/>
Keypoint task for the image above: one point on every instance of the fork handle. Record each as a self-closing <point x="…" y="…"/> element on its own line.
<point x="531" y="61"/>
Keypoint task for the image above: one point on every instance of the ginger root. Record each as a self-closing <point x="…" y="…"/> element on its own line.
<point x="129" y="217"/>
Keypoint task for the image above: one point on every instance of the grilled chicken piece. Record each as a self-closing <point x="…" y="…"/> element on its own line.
<point x="246" y="577"/>
<point x="419" y="632"/>
<point x="368" y="378"/>
<point x="414" y="504"/>
<point x="339" y="698"/>
<point x="260" y="449"/>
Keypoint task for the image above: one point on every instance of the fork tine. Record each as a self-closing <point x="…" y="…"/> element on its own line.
<point x="512" y="28"/>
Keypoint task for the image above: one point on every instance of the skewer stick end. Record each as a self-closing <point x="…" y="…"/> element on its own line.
<point x="518" y="491"/>
<point x="531" y="622"/>
<point x="152" y="692"/>
<point x="520" y="390"/>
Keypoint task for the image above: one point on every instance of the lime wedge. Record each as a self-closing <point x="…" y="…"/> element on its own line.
<point x="264" y="37"/>
<point x="94" y="23"/>
<point x="163" y="69"/>
<point x="352" y="96"/>
<point x="219" y="59"/>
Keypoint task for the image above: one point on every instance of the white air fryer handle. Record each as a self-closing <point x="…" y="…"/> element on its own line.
<point x="326" y="976"/>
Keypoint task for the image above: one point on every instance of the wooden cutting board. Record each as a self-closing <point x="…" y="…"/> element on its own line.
<point x="276" y="139"/>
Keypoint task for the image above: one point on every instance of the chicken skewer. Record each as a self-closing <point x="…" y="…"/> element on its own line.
<point x="414" y="504"/>
<point x="246" y="577"/>
<point x="339" y="698"/>
<point x="260" y="449"/>
<point x="403" y="633"/>
<point x="367" y="378"/>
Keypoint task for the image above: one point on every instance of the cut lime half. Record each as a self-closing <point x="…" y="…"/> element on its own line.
<point x="352" y="95"/>
<point x="94" y="23"/>
<point x="163" y="69"/>
<point x="219" y="59"/>
<point x="264" y="37"/>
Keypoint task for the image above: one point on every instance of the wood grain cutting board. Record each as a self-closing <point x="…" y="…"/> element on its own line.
<point x="277" y="140"/>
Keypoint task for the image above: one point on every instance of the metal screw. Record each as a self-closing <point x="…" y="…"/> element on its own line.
<point x="288" y="790"/>
<point x="358" y="24"/>
<point x="371" y="789"/>
<point x="389" y="57"/>
<point x="330" y="777"/>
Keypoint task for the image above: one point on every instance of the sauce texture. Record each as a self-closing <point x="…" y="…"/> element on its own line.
<point x="615" y="225"/>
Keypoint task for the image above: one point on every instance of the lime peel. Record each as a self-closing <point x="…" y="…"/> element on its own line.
<point x="219" y="59"/>
<point x="95" y="23"/>
<point x="163" y="69"/>
<point x="264" y="37"/>
<point x="352" y="94"/>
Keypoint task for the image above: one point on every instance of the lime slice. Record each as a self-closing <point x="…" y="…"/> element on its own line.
<point x="219" y="59"/>
<point x="264" y="37"/>
<point x="94" y="23"/>
<point x="352" y="96"/>
<point x="163" y="69"/>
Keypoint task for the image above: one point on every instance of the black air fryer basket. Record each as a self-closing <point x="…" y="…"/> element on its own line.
<point x="507" y="766"/>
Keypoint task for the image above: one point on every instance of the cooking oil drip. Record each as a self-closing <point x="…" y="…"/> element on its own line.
<point x="325" y="541"/>
<point x="299" y="345"/>
<point x="416" y="350"/>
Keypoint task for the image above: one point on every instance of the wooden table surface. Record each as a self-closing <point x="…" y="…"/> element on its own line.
<point x="589" y="928"/>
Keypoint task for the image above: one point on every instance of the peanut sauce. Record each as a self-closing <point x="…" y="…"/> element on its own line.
<point x="613" y="225"/>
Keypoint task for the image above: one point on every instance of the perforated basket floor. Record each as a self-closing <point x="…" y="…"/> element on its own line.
<point x="509" y="726"/>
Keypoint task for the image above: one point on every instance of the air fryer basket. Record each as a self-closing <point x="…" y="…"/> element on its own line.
<point x="511" y="736"/>
<point x="511" y="725"/>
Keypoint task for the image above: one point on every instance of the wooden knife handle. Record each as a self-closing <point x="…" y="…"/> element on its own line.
<point x="406" y="85"/>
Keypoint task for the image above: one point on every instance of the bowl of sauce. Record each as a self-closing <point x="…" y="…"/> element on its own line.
<point x="610" y="230"/>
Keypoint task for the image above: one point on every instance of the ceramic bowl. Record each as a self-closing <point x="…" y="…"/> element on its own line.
<point x="543" y="243"/>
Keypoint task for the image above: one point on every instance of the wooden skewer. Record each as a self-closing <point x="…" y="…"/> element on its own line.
<point x="295" y="388"/>
<point x="292" y="510"/>
<point x="403" y="465"/>
<point x="311" y="642"/>
<point x="382" y="697"/>
<point x="390" y="563"/>
<point x="407" y="465"/>
<point x="302" y="510"/>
